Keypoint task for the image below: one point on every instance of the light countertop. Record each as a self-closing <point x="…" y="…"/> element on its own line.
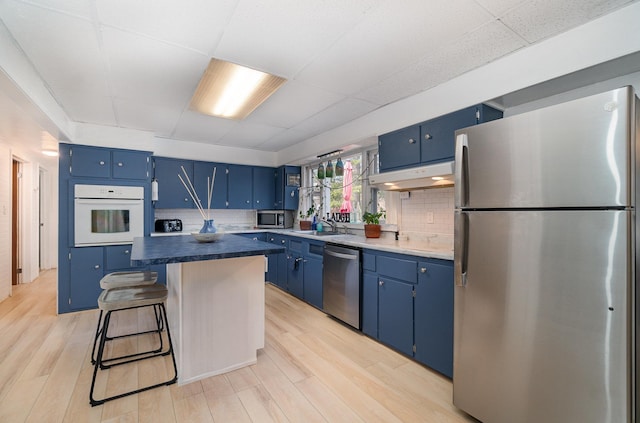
<point x="420" y="248"/>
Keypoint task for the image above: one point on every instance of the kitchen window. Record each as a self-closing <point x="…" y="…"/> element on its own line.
<point x="337" y="194"/>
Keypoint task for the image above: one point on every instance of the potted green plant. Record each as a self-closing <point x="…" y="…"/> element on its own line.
<point x="305" y="224"/>
<point x="372" y="223"/>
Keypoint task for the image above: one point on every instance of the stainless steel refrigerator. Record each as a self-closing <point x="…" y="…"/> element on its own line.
<point x="545" y="264"/>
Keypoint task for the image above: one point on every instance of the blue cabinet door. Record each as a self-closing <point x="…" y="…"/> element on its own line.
<point x="395" y="314"/>
<point x="240" y="184"/>
<point x="264" y="188"/>
<point x="204" y="170"/>
<point x="130" y="165"/>
<point x="272" y="266"/>
<point x="399" y="148"/>
<point x="370" y="304"/>
<point x="171" y="193"/>
<point x="434" y="316"/>
<point x="295" y="275"/>
<point x="438" y="135"/>
<point x="90" y="161"/>
<point x="313" y="281"/>
<point x="86" y="272"/>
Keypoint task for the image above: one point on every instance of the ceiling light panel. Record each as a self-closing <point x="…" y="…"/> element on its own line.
<point x="232" y="91"/>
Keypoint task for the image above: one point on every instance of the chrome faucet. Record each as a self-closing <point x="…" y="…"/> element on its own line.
<point x="332" y="223"/>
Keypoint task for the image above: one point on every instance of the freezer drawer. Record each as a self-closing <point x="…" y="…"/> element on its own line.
<point x="542" y="328"/>
<point x="575" y="154"/>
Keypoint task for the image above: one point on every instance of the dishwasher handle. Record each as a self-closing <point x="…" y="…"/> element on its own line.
<point x="341" y="255"/>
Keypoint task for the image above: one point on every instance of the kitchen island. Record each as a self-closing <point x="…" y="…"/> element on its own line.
<point x="216" y="299"/>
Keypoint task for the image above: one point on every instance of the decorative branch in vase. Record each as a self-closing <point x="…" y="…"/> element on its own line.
<point x="208" y="227"/>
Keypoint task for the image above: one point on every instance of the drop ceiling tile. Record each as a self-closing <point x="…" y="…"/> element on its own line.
<point x="136" y="114"/>
<point x="282" y="36"/>
<point x="82" y="8"/>
<point x="539" y="19"/>
<point x="282" y="140"/>
<point x="379" y="46"/>
<point x="334" y="116"/>
<point x="292" y="103"/>
<point x="149" y="69"/>
<point x="498" y="7"/>
<point x="87" y="107"/>
<point x="64" y="49"/>
<point x="168" y="19"/>
<point x="249" y="135"/>
<point x="450" y="60"/>
<point x="194" y="126"/>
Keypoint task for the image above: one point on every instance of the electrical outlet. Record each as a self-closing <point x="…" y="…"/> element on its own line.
<point x="429" y="217"/>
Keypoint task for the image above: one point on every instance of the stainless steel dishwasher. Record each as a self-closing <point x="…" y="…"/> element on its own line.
<point x="341" y="283"/>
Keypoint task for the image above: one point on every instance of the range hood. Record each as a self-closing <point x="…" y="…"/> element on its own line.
<point x="431" y="176"/>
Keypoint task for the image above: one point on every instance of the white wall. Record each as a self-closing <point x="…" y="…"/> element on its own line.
<point x="5" y="221"/>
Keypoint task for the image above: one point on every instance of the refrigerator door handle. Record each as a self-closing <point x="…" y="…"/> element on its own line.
<point x="460" y="254"/>
<point x="461" y="171"/>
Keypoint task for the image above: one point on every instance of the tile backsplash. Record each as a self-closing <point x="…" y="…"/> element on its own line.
<point x="417" y="210"/>
<point x="226" y="219"/>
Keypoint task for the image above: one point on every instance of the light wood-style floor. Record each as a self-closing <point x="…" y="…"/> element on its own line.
<point x="312" y="369"/>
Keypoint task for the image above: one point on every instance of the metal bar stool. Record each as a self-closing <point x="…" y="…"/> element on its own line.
<point x="126" y="280"/>
<point x="111" y="300"/>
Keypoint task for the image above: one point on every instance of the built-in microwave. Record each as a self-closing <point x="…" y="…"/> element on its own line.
<point x="107" y="215"/>
<point x="275" y="219"/>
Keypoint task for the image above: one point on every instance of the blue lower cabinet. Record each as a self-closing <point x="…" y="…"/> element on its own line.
<point x="434" y="316"/>
<point x="313" y="281"/>
<point x="86" y="270"/>
<point x="295" y="275"/>
<point x="395" y="314"/>
<point x="370" y="304"/>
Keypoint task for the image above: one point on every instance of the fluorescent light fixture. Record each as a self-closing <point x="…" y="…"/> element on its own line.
<point x="232" y="91"/>
<point x="437" y="178"/>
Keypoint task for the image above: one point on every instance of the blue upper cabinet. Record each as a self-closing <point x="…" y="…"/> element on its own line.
<point x="399" y="148"/>
<point x="105" y="163"/>
<point x="429" y="142"/>
<point x="437" y="136"/>
<point x="90" y="162"/>
<point x="264" y="189"/>
<point x="240" y="194"/>
<point x="130" y="164"/>
<point x="204" y="170"/>
<point x="171" y="193"/>
<point x="287" y="187"/>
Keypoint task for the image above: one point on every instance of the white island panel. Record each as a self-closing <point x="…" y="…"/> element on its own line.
<point x="216" y="310"/>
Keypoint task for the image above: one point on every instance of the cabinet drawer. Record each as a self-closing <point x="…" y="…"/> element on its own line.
<point x="118" y="257"/>
<point x="368" y="262"/>
<point x="404" y="270"/>
<point x="295" y="245"/>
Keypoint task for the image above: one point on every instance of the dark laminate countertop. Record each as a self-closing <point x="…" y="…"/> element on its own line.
<point x="162" y="250"/>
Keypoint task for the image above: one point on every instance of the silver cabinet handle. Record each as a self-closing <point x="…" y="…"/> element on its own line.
<point x="97" y="266"/>
<point x="412" y="141"/>
<point x="257" y="201"/>
<point x="101" y="162"/>
<point x="293" y="194"/>
<point x="381" y="282"/>
<point x="126" y="251"/>
<point x="427" y="136"/>
<point x="282" y="241"/>
<point x="254" y="238"/>
<point x="423" y="270"/>
<point x="186" y="199"/>
<point x="120" y="164"/>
